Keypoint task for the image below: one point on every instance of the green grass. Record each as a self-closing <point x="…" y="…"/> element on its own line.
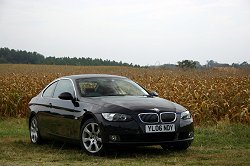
<point x="222" y="144"/>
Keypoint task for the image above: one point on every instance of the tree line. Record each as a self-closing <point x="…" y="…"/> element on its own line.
<point x="190" y="64"/>
<point x="24" y="57"/>
<point x="209" y="64"/>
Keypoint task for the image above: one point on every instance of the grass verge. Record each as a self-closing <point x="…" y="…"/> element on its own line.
<point x="222" y="144"/>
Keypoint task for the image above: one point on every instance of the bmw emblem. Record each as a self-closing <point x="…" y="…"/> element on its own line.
<point x="156" y="109"/>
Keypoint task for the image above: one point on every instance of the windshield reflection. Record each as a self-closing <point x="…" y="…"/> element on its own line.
<point x="96" y="87"/>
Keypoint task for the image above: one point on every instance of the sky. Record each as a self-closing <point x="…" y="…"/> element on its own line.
<point x="144" y="32"/>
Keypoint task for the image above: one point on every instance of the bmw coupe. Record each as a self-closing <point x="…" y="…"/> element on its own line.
<point x="98" y="110"/>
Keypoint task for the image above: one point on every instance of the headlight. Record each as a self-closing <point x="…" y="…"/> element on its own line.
<point x="186" y="115"/>
<point x="116" y="117"/>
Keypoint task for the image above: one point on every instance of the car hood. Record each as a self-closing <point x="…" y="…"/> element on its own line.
<point x="136" y="104"/>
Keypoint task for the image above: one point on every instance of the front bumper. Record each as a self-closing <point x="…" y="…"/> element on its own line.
<point x="133" y="132"/>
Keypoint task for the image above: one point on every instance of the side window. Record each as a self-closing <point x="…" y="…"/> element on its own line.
<point x="50" y="90"/>
<point x="64" y="85"/>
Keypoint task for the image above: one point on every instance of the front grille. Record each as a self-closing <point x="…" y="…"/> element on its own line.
<point x="149" y="117"/>
<point x="168" y="117"/>
<point x="165" y="117"/>
<point x="152" y="137"/>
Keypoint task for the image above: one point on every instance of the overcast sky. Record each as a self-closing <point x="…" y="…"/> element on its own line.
<point x="144" y="32"/>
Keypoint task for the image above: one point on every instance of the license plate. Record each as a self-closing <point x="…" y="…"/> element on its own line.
<point x="160" y="128"/>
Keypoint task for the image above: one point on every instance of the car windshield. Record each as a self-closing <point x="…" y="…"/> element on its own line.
<point x="96" y="87"/>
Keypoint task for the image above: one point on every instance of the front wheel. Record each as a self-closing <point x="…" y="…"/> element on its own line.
<point x="35" y="137"/>
<point x="91" y="138"/>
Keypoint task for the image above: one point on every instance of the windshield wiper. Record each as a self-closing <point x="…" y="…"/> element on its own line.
<point x="115" y="95"/>
<point x="148" y="95"/>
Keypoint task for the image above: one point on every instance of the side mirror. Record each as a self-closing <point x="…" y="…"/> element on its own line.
<point x="65" y="96"/>
<point x="153" y="93"/>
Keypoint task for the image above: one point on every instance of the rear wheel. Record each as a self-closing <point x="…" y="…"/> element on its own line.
<point x="35" y="137"/>
<point x="91" y="138"/>
<point x="177" y="146"/>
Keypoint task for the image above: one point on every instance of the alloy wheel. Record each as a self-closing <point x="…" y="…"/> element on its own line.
<point x="34" y="130"/>
<point x="91" y="138"/>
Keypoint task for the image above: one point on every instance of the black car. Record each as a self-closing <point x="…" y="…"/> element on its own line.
<point x="98" y="110"/>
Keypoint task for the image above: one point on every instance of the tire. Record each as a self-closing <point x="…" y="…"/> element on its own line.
<point x="35" y="136"/>
<point x="179" y="146"/>
<point x="91" y="138"/>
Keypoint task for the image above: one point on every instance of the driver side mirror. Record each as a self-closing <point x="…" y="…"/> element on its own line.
<point x="153" y="93"/>
<point x="66" y="96"/>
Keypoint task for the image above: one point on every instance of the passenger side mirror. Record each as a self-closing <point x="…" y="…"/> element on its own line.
<point x="65" y="96"/>
<point x="153" y="93"/>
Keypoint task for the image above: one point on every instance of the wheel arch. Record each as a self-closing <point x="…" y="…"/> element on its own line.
<point x="87" y="116"/>
<point x="32" y="114"/>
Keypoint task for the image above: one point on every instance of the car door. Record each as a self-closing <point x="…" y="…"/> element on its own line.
<point x="63" y="111"/>
<point x="44" y="114"/>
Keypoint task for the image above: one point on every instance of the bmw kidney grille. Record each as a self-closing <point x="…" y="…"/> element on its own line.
<point x="165" y="117"/>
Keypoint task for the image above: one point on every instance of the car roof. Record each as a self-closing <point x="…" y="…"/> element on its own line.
<point x="91" y="76"/>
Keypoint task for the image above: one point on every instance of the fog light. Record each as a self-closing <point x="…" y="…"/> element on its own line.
<point x="114" y="138"/>
<point x="191" y="134"/>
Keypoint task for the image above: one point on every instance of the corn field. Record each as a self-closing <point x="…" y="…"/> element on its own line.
<point x="212" y="95"/>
